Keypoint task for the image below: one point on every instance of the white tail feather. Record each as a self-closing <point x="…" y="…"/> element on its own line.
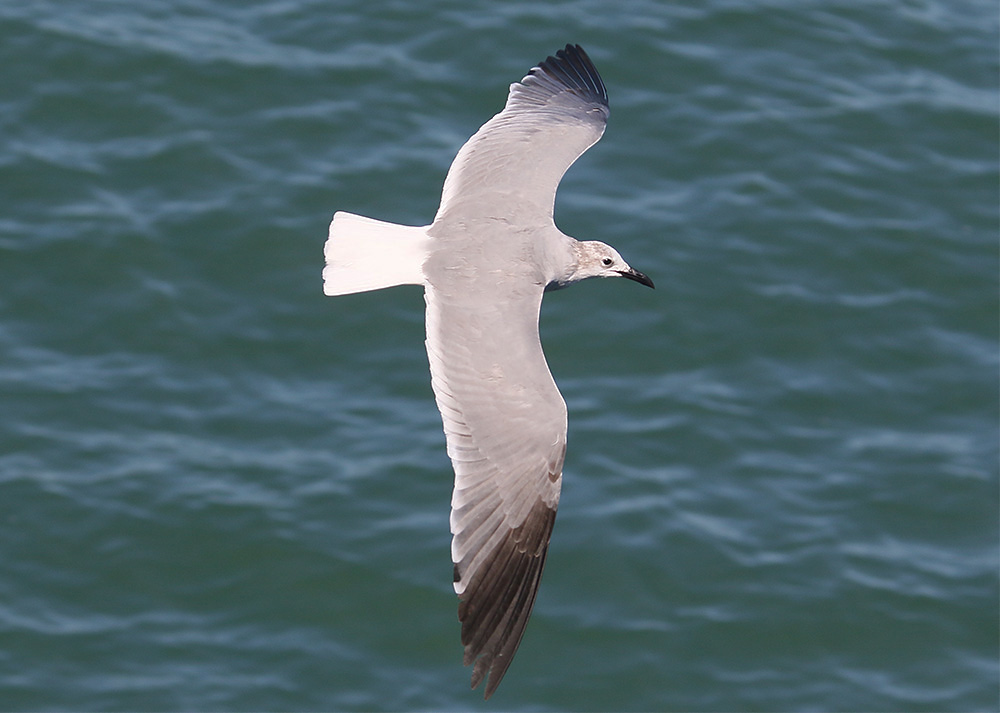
<point x="366" y="254"/>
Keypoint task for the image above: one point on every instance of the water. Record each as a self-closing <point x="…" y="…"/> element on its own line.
<point x="220" y="490"/>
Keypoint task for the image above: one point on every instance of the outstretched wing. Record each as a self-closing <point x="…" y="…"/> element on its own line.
<point x="518" y="157"/>
<point x="504" y="418"/>
<point x="505" y="424"/>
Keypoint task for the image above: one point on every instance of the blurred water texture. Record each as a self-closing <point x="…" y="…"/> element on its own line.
<point x="220" y="490"/>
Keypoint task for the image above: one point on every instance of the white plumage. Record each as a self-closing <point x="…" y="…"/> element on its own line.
<point x="485" y="261"/>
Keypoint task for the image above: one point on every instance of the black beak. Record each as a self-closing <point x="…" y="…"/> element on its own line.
<point x="636" y="276"/>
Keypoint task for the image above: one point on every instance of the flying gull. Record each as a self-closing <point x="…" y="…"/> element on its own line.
<point x="484" y="262"/>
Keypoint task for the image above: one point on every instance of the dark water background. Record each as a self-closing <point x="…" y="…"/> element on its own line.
<point x="220" y="490"/>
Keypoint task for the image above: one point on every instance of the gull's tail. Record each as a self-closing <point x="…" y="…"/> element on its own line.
<point x="364" y="254"/>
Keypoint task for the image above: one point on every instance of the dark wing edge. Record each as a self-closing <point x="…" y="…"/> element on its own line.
<point x="554" y="114"/>
<point x="570" y="70"/>
<point x="496" y="604"/>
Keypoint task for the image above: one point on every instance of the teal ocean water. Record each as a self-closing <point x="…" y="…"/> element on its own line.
<point x="221" y="490"/>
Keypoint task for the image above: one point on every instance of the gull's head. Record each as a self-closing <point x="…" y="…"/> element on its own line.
<point x="597" y="259"/>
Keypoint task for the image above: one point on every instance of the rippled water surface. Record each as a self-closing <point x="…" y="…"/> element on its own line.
<point x="221" y="490"/>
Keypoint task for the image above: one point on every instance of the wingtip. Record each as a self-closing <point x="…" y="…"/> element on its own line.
<point x="496" y="607"/>
<point x="574" y="63"/>
<point x="570" y="70"/>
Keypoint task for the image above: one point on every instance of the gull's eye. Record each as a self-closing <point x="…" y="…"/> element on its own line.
<point x="606" y="261"/>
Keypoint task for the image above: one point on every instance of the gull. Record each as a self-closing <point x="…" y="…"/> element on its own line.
<point x="491" y="252"/>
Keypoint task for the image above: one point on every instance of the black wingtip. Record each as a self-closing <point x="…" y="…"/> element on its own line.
<point x="496" y="603"/>
<point x="574" y="68"/>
